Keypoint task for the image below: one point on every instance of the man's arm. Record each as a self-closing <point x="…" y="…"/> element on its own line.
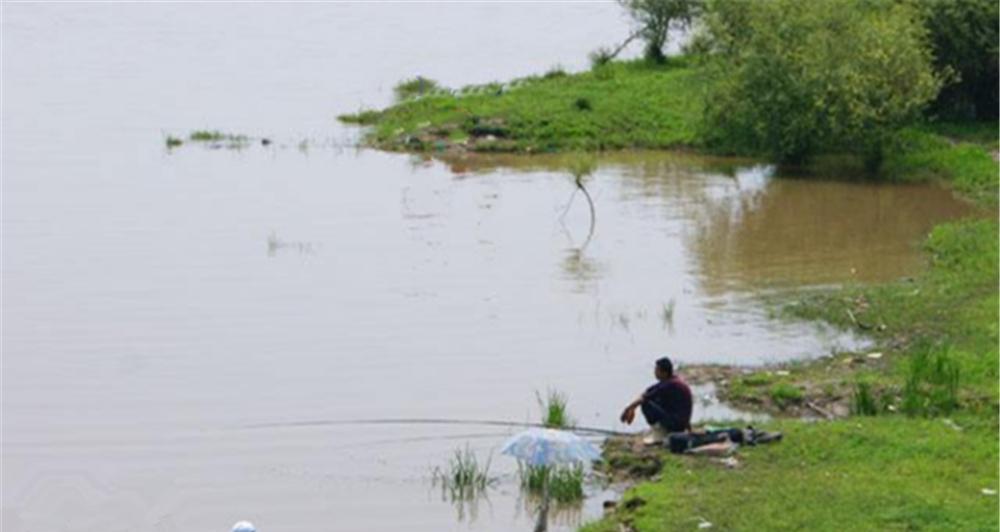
<point x="628" y="415"/>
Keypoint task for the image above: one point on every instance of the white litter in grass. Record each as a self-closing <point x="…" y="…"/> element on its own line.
<point x="704" y="524"/>
<point x="951" y="424"/>
<point x="875" y="355"/>
<point x="989" y="492"/>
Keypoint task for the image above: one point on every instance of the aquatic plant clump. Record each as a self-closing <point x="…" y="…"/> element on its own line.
<point x="555" y="414"/>
<point x="215" y="136"/>
<point x="215" y="139"/>
<point x="565" y="482"/>
<point x="464" y="477"/>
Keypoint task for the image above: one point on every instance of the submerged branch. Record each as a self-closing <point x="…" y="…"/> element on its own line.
<point x="593" y="212"/>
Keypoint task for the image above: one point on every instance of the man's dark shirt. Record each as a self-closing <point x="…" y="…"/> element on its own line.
<point x="673" y="398"/>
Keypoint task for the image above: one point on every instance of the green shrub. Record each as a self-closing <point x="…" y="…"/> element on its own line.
<point x="600" y="57"/>
<point x="655" y="18"/>
<point x="555" y="72"/>
<point x="793" y="79"/>
<point x="964" y="37"/>
<point x="412" y="88"/>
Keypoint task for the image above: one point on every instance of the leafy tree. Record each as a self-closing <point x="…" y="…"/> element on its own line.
<point x="655" y="18"/>
<point x="964" y="39"/>
<point x="796" y="78"/>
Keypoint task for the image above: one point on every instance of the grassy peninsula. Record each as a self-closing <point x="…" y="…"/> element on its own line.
<point x="633" y="104"/>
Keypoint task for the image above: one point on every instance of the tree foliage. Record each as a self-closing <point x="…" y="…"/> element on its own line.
<point x="794" y="78"/>
<point x="655" y="18"/>
<point x="964" y="38"/>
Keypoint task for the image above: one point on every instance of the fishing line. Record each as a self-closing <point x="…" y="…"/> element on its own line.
<point x="424" y="421"/>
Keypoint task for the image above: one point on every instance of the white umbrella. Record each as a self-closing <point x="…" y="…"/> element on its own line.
<point x="549" y="447"/>
<point x="545" y="447"/>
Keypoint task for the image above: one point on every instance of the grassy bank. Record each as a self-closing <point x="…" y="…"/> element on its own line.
<point x="860" y="474"/>
<point x="920" y="444"/>
<point x="619" y="105"/>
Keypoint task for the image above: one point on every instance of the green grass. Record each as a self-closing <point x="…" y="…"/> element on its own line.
<point x="963" y="161"/>
<point x="565" y="483"/>
<point x="465" y="476"/>
<point x="784" y="394"/>
<point x="204" y="135"/>
<point x="864" y="401"/>
<point x="618" y="105"/>
<point x="983" y="133"/>
<point x="933" y="376"/>
<point x="416" y="87"/>
<point x="885" y="473"/>
<point x="555" y="413"/>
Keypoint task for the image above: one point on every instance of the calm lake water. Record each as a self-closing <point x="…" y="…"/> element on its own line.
<point x="171" y="318"/>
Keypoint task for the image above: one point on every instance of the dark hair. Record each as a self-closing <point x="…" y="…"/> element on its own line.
<point x="666" y="366"/>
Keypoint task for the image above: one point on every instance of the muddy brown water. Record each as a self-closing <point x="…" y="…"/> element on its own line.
<point x="157" y="304"/>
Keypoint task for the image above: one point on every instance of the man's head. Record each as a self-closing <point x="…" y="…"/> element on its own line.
<point x="664" y="369"/>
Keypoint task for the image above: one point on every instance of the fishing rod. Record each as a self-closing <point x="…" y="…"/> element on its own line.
<point x="426" y="421"/>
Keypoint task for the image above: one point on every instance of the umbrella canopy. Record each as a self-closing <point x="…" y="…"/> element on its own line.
<point x="543" y="447"/>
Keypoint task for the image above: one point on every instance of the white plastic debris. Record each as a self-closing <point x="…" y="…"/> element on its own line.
<point x="989" y="492"/>
<point x="244" y="526"/>
<point x="730" y="462"/>
<point x="782" y="373"/>
<point x="875" y="356"/>
<point x="704" y="524"/>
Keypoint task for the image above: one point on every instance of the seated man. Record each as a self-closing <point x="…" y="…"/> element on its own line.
<point x="666" y="405"/>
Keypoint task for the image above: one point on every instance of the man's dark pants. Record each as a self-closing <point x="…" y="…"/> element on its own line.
<point x="656" y="415"/>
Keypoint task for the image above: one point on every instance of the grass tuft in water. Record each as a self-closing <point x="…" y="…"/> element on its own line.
<point x="464" y="477"/>
<point x="204" y="135"/>
<point x="555" y="414"/>
<point x="565" y="482"/>
<point x="173" y="142"/>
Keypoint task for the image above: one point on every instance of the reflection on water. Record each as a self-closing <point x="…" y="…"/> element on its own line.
<point x="584" y="270"/>
<point x="760" y="231"/>
<point x="752" y="229"/>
